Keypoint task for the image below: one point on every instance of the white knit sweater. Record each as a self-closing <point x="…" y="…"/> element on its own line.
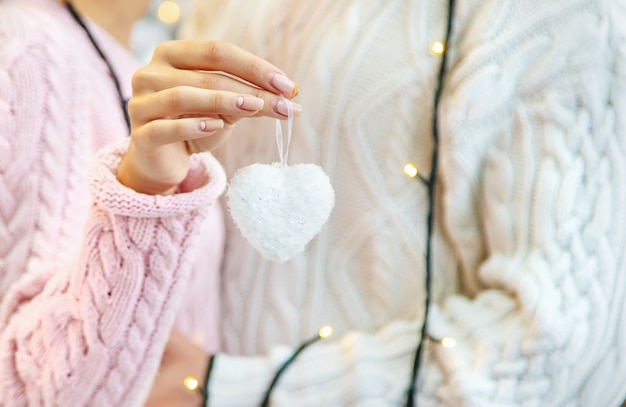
<point x="529" y="271"/>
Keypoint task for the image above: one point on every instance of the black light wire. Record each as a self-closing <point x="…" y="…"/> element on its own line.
<point x="116" y="82"/>
<point x="431" y="184"/>
<point x="284" y="366"/>
<point x="204" y="391"/>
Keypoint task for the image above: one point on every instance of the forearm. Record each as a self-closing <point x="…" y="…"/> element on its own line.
<point x="486" y="351"/>
<point x="102" y="331"/>
<point x="356" y="369"/>
<point x="101" y="323"/>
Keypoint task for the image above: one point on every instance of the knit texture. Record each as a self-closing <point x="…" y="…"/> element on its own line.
<point x="529" y="268"/>
<point x="92" y="274"/>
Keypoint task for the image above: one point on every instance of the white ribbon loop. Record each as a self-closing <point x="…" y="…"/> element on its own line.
<point x="280" y="141"/>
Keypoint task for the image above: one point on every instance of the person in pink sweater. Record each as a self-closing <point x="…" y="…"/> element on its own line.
<point x="109" y="243"/>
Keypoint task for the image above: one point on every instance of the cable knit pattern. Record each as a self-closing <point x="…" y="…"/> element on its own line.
<point x="529" y="270"/>
<point x="92" y="274"/>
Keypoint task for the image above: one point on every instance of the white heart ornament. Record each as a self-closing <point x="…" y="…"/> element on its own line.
<point x="280" y="208"/>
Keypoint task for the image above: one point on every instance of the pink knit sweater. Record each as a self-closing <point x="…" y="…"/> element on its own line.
<point x="93" y="276"/>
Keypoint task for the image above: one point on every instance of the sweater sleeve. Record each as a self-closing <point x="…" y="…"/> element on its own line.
<point x="86" y="329"/>
<point x="101" y="322"/>
<point x="533" y="201"/>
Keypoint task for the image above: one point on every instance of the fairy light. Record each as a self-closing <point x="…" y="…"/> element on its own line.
<point x="437" y="47"/>
<point x="410" y="170"/>
<point x="448" y="342"/>
<point x="325" y="331"/>
<point x="191" y="383"/>
<point x="168" y="12"/>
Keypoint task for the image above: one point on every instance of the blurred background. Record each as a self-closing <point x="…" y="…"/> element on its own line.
<point x="161" y="24"/>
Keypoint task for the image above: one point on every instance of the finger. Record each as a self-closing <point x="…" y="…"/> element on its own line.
<point x="155" y="78"/>
<point x="186" y="100"/>
<point x="279" y="107"/>
<point x="166" y="131"/>
<point x="170" y="78"/>
<point x="222" y="56"/>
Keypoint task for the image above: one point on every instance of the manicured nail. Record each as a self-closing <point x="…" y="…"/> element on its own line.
<point x="284" y="85"/>
<point x="210" y="126"/>
<point x="250" y="103"/>
<point x="280" y="107"/>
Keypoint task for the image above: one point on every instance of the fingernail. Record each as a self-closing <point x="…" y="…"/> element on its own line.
<point x="210" y="126"/>
<point x="280" y="106"/>
<point x="250" y="103"/>
<point x="284" y="85"/>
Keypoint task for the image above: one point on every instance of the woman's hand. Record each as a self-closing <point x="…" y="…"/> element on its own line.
<point x="186" y="100"/>
<point x="181" y="358"/>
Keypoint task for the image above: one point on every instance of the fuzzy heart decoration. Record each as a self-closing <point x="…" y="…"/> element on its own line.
<point x="280" y="208"/>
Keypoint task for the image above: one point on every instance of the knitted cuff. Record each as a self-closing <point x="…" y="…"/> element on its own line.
<point x="204" y="183"/>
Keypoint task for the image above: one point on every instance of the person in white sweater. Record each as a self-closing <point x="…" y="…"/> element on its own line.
<point x="526" y="259"/>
